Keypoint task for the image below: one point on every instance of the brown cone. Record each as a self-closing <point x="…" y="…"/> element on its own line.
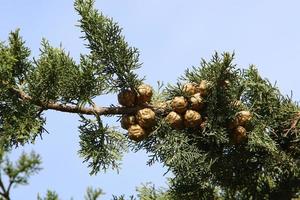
<point x="127" y="98"/>
<point x="192" y="119"/>
<point x="127" y="121"/>
<point x="175" y="120"/>
<point x="190" y="88"/>
<point x="179" y="104"/>
<point x="196" y="102"/>
<point x="203" y="87"/>
<point x="242" y="117"/>
<point x="239" y="135"/>
<point x="136" y="133"/>
<point x="145" y="118"/>
<point x="144" y="93"/>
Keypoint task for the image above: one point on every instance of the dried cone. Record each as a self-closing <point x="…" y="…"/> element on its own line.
<point x="196" y="102"/>
<point x="175" y="120"/>
<point x="239" y="135"/>
<point x="192" y="119"/>
<point x="127" y="98"/>
<point x="144" y="93"/>
<point x="127" y="121"/>
<point x="145" y="118"/>
<point x="179" y="104"/>
<point x="136" y="133"/>
<point x="242" y="117"/>
<point x="190" y="88"/>
<point x="203" y="87"/>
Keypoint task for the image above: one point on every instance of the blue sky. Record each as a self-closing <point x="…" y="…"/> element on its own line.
<point x="171" y="35"/>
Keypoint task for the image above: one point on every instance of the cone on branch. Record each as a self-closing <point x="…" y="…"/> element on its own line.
<point x="239" y="135"/>
<point x="203" y="87"/>
<point x="175" y="120"/>
<point x="192" y="119"/>
<point x="179" y="104"/>
<point x="127" y="121"/>
<point x="145" y="93"/>
<point x="145" y="118"/>
<point x="127" y="98"/>
<point x="136" y="133"/>
<point x="196" y="102"/>
<point x="190" y="88"/>
<point x="242" y="117"/>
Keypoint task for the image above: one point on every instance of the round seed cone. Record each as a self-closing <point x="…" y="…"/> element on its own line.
<point x="127" y="98"/>
<point x="196" y="102"/>
<point x="136" y="133"/>
<point x="175" y="120"/>
<point x="190" y="88"/>
<point x="145" y="93"/>
<point x="242" y="117"/>
<point x="192" y="119"/>
<point x="127" y="121"/>
<point x="179" y="104"/>
<point x="203" y="87"/>
<point x="145" y="118"/>
<point x="239" y="135"/>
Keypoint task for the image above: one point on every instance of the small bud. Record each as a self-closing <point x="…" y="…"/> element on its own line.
<point x="179" y="104"/>
<point x="192" y="119"/>
<point x="175" y="120"/>
<point x="127" y="98"/>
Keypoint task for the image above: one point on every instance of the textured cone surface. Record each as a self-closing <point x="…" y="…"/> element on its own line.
<point x="196" y="102"/>
<point x="127" y="121"/>
<point x="242" y="117"/>
<point x="136" y="133"/>
<point x="145" y="118"/>
<point x="190" y="88"/>
<point x="144" y="93"/>
<point x="192" y="119"/>
<point x="203" y="87"/>
<point x="179" y="104"/>
<point x="175" y="120"/>
<point x="239" y="135"/>
<point x="127" y="98"/>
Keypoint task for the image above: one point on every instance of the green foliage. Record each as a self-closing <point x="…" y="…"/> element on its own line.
<point x="101" y="146"/>
<point x="110" y="54"/>
<point x="50" y="195"/>
<point x="20" y="121"/>
<point x="205" y="162"/>
<point x="17" y="173"/>
<point x="93" y="194"/>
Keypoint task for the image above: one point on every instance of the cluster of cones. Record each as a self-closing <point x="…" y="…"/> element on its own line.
<point x="140" y="123"/>
<point x="186" y="111"/>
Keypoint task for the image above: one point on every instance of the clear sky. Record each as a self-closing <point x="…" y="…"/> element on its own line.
<point x="171" y="35"/>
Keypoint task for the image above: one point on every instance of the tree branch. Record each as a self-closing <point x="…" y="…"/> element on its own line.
<point x="84" y="110"/>
<point x="3" y="193"/>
